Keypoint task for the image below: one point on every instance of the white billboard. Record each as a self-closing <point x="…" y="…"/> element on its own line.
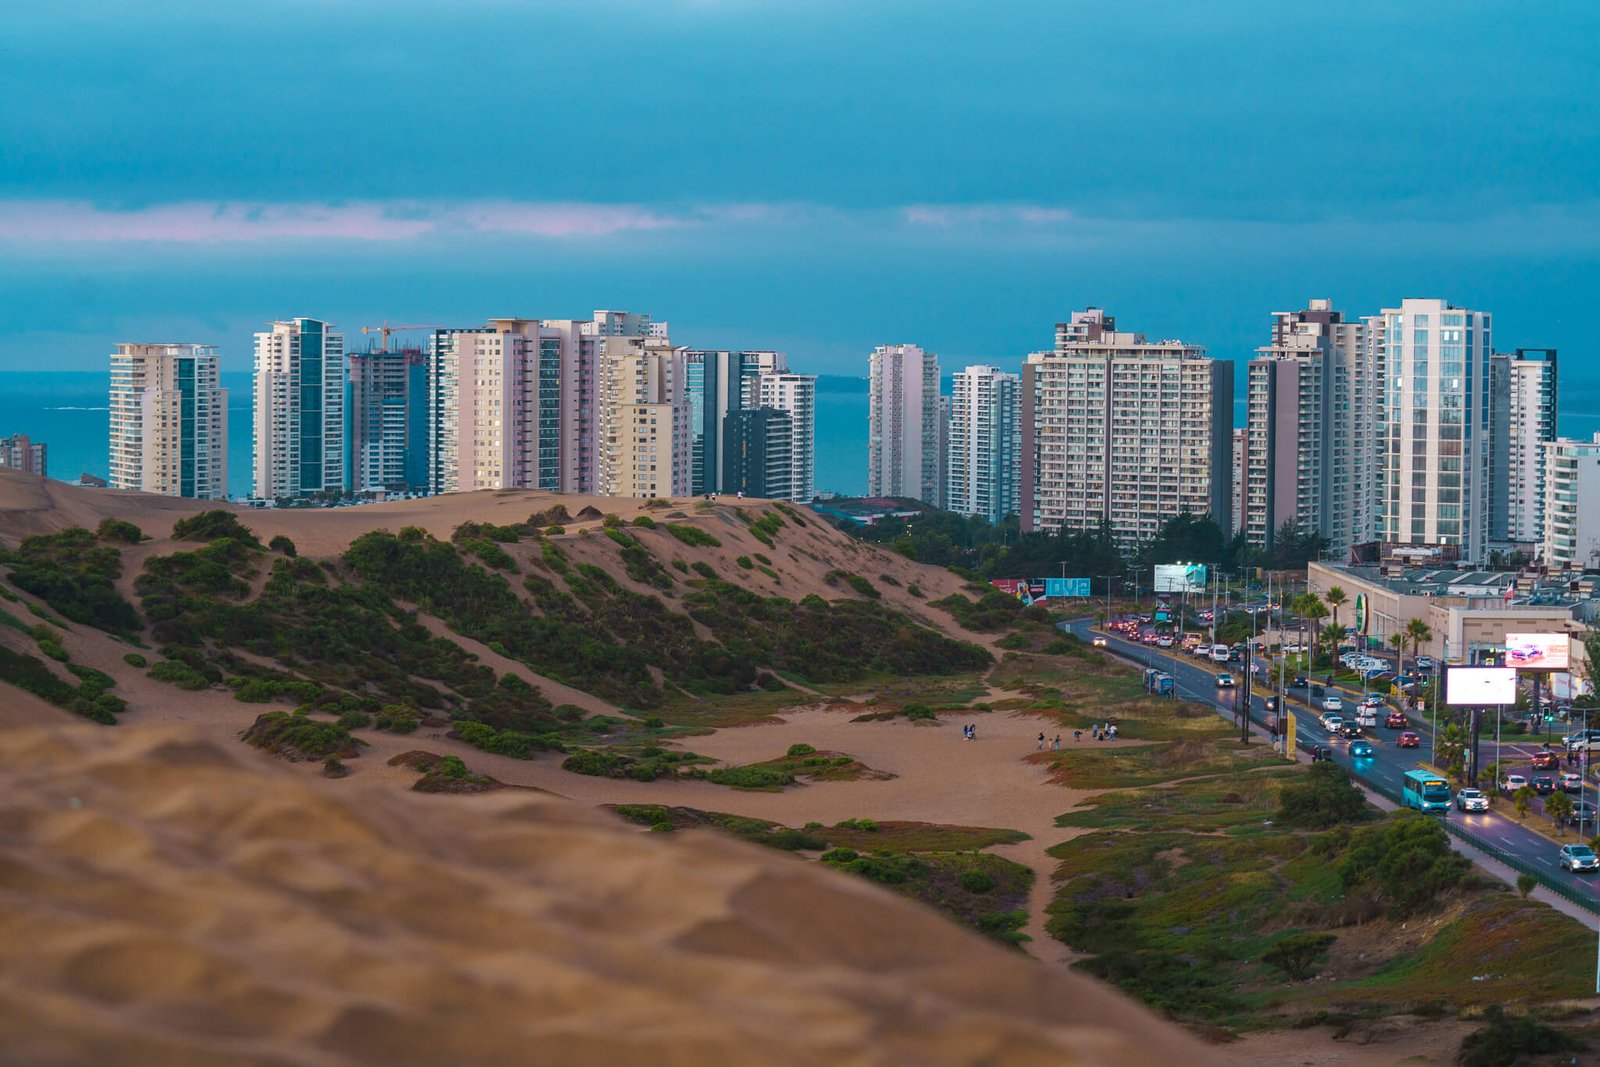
<point x="1480" y="687"/>
<point x="1180" y="577"/>
<point x="1539" y="652"/>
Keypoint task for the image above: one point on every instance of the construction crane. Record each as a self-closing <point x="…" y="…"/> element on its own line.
<point x="385" y="330"/>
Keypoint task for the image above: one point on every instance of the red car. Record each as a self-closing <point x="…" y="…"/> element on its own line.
<point x="1409" y="739"/>
<point x="1546" y="761"/>
<point x="1396" y="720"/>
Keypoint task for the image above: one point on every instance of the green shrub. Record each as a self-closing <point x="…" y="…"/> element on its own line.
<point x="1297" y="955"/>
<point x="915" y="590"/>
<point x="745" y="562"/>
<point x="118" y="530"/>
<point x="282" y="544"/>
<point x="212" y="526"/>
<point x="610" y="521"/>
<point x="133" y="659"/>
<point x="555" y="530"/>
<point x="799" y="749"/>
<point x="976" y="880"/>
<point x="854" y="581"/>
<point x="491" y="553"/>
<point x="1508" y="1039"/>
<point x="693" y="536"/>
<point x="679" y="564"/>
<point x="645" y="521"/>
<point x="703" y="569"/>
<point x="180" y="674"/>
<point x="1324" y="797"/>
<point x="54" y="650"/>
<point x="75" y="574"/>
<point x="553" y="557"/>
<point x="278" y="731"/>
<point x="1405" y="862"/>
<point x="93" y="677"/>
<point x="752" y="777"/>
<point x="355" y="720"/>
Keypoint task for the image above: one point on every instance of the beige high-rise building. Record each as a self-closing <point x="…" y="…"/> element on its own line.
<point x="1571" y="512"/>
<point x="1125" y="430"/>
<point x="904" y="443"/>
<point x="169" y="421"/>
<point x="642" y="420"/>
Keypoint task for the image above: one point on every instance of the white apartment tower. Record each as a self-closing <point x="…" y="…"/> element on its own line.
<point x="1434" y="450"/>
<point x="169" y="421"/>
<point x="985" y="443"/>
<point x="1310" y="435"/>
<point x="1522" y="420"/>
<point x="1571" y="532"/>
<point x="1120" y="429"/>
<point x="496" y="406"/>
<point x="1239" y="444"/>
<point x="299" y="433"/>
<point x="796" y="396"/>
<point x="903" y="446"/>
<point x="642" y="419"/>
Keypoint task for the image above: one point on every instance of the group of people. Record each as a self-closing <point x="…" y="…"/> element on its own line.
<point x="969" y="733"/>
<point x="713" y="496"/>
<point x="1105" y="731"/>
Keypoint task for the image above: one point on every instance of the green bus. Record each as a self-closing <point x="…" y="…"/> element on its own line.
<point x="1426" y="791"/>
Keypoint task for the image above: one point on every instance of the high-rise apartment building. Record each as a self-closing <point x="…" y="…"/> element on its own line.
<point x="759" y="447"/>
<point x="718" y="383"/>
<point x="169" y="421"/>
<point x="643" y="419"/>
<point x="387" y="418"/>
<point x="984" y="454"/>
<point x="20" y="453"/>
<point x="1310" y="435"/>
<point x="1239" y="444"/>
<point x="796" y="396"/>
<point x="903" y="442"/>
<point x="1434" y="445"/>
<point x="299" y="435"/>
<point x="1571" y="534"/>
<point x="495" y="411"/>
<point x="1124" y="430"/>
<point x="1522" y="419"/>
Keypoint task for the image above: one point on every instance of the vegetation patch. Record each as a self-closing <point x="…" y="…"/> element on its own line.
<point x="444" y="774"/>
<point x="642" y="764"/>
<point x="801" y="761"/>
<point x="212" y="526"/>
<point x="298" y="737"/>
<point x="693" y="536"/>
<point x="75" y="574"/>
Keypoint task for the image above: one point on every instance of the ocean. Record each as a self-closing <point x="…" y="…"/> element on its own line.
<point x="69" y="412"/>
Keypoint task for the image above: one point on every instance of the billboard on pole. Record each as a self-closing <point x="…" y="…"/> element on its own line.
<point x="1479" y="687"/>
<point x="1180" y="577"/>
<point x="1539" y="652"/>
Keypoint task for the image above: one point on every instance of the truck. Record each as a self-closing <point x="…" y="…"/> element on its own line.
<point x="1425" y="791"/>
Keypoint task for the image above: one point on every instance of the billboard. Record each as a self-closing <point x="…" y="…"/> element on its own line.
<point x="1539" y="652"/>
<point x="1180" y="577"/>
<point x="1029" y="590"/>
<point x="1480" y="687"/>
<point x="1361" y="613"/>
<point x="1054" y="587"/>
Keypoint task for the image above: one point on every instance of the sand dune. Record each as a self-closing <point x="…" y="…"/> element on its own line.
<point x="173" y="899"/>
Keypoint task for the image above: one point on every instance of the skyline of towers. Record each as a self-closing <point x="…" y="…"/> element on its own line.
<point x="168" y="421"/>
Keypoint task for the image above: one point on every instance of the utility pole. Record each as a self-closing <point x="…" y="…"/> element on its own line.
<point x="1244" y="725"/>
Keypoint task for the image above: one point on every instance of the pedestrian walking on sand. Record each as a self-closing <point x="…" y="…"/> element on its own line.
<point x="1040" y="745"/>
<point x="1094" y="731"/>
<point x="1113" y="733"/>
<point x="1057" y="743"/>
<point x="973" y="735"/>
<point x="1077" y="735"/>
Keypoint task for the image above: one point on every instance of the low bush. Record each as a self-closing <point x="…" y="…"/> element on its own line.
<point x="766" y="779"/>
<point x="703" y="569"/>
<point x="861" y="585"/>
<point x="693" y="536"/>
<point x="212" y="526"/>
<point x="118" y="530"/>
<point x="282" y="544"/>
<point x="133" y="659"/>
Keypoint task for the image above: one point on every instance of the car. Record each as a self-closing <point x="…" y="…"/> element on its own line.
<point x="1099" y="642"/>
<point x="1374" y="702"/>
<point x="1513" y="782"/>
<point x="1297" y="682"/>
<point x="1332" y="704"/>
<point x="1219" y="653"/>
<point x="1331" y="723"/>
<point x="1361" y="750"/>
<point x="1546" y="760"/>
<point x="1396" y="720"/>
<point x="1542" y="784"/>
<point x="1164" y="641"/>
<point x="1409" y="739"/>
<point x="1579" y="741"/>
<point x="1472" y="800"/>
<point x="1578" y="858"/>
<point x="1349" y="730"/>
<point x="1224" y="680"/>
<point x="1582" y="812"/>
<point x="1424" y="663"/>
<point x="1571" y="782"/>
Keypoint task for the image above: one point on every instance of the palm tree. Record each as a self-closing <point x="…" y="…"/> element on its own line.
<point x="1336" y="599"/>
<point x="1316" y="611"/>
<point x="1416" y="632"/>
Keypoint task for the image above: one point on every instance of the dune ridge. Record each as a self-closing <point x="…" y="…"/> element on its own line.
<point x="171" y="898"/>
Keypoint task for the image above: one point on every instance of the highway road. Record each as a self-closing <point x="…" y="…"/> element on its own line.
<point x="1196" y="682"/>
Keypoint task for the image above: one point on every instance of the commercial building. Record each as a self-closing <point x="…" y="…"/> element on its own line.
<point x="496" y="405"/>
<point x="1571" y="516"/>
<point x="1469" y="612"/>
<point x="169" y="421"/>
<point x="903" y="440"/>
<point x="1434" y="449"/>
<point x="20" y="453"/>
<point x="1311" y="431"/>
<point x="299" y="433"/>
<point x="1522" y="420"/>
<point x="643" y="419"/>
<point x="1121" y="429"/>
<point x="796" y="396"/>
<point x="759" y="453"/>
<point x="984" y="463"/>
<point x="387" y="417"/>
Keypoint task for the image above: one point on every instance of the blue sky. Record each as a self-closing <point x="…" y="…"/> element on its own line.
<point x="814" y="175"/>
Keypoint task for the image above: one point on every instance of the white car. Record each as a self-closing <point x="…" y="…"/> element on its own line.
<point x="1331" y="723"/>
<point x="1513" y="782"/>
<point x="1424" y="663"/>
<point x="1578" y="858"/>
<point x="1099" y="642"/>
<point x="1164" y="641"/>
<point x="1332" y="704"/>
<point x="1366" y="717"/>
<point x="1374" y="702"/>
<point x="1472" y="800"/>
<point x="1219" y="653"/>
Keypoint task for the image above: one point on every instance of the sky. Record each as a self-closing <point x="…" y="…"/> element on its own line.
<point x="809" y="175"/>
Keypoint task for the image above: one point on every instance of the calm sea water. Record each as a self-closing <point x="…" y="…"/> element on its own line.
<point x="68" y="411"/>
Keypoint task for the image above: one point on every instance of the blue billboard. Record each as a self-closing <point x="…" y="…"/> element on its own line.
<point x="1064" y="587"/>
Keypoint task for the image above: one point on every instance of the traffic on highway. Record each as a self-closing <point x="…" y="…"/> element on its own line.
<point x="1379" y="744"/>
